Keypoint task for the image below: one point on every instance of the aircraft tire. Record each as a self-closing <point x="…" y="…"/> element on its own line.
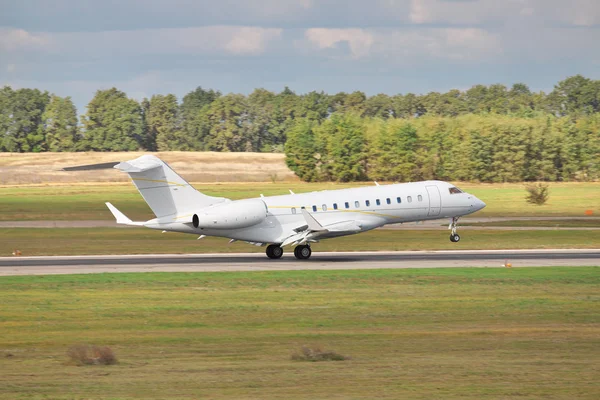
<point x="274" y="251"/>
<point x="454" y="238"/>
<point x="302" y="252"/>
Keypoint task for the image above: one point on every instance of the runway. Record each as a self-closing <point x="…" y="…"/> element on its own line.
<point x="319" y="261"/>
<point x="439" y="224"/>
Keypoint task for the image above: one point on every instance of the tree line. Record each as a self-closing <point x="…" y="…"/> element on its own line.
<point x="484" y="148"/>
<point x="396" y="133"/>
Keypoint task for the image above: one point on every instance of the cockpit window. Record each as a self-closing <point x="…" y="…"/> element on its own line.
<point x="455" y="190"/>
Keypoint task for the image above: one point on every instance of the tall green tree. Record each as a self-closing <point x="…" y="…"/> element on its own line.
<point x="113" y="122"/>
<point x="285" y="112"/>
<point x="302" y="151"/>
<point x="25" y="129"/>
<point x="6" y="94"/>
<point x="393" y="153"/>
<point x="575" y="95"/>
<point x="194" y="120"/>
<point x="162" y="124"/>
<point x="355" y="103"/>
<point x="226" y="117"/>
<point x="343" y="139"/>
<point x="60" y="125"/>
<point x="313" y="106"/>
<point x="408" y="106"/>
<point x="259" y="120"/>
<point x="379" y="106"/>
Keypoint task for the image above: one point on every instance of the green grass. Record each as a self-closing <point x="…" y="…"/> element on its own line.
<point x="86" y="202"/>
<point x="508" y="200"/>
<point x="573" y="223"/>
<point x="73" y="241"/>
<point x="421" y="334"/>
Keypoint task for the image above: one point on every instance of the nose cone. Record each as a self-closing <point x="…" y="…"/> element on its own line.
<point x="478" y="204"/>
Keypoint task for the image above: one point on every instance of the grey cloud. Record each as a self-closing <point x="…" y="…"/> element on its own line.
<point x="74" y="47"/>
<point x="92" y="15"/>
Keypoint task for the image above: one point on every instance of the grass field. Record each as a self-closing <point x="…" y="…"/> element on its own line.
<point x="86" y="202"/>
<point x="421" y="334"/>
<point x="573" y="223"/>
<point x="75" y="241"/>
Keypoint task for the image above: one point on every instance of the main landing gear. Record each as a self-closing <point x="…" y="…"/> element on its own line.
<point x="302" y="252"/>
<point x="274" y="251"/>
<point x="454" y="237"/>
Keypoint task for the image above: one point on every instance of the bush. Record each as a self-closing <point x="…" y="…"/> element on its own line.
<point x="316" y="354"/>
<point x="537" y="193"/>
<point x="82" y="354"/>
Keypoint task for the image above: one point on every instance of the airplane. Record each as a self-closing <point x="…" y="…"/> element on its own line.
<point x="287" y="220"/>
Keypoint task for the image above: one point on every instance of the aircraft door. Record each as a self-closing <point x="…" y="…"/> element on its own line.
<point x="435" y="200"/>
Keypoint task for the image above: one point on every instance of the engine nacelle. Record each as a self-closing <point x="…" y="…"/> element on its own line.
<point x="232" y="215"/>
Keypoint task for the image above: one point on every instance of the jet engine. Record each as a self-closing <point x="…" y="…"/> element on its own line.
<point x="231" y="215"/>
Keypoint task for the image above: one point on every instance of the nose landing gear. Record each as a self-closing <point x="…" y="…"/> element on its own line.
<point x="454" y="237"/>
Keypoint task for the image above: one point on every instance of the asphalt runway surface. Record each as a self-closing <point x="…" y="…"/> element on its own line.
<point x="438" y="224"/>
<point x="318" y="261"/>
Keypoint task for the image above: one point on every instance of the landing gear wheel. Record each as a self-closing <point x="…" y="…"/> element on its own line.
<point x="454" y="238"/>
<point x="302" y="252"/>
<point x="274" y="251"/>
<point x="454" y="225"/>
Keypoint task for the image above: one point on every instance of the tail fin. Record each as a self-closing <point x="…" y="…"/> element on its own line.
<point x="165" y="192"/>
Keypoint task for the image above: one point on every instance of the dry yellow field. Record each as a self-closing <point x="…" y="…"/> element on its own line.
<point x="207" y="167"/>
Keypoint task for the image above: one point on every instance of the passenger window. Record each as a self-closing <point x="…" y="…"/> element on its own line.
<point x="399" y="200"/>
<point x="388" y="200"/>
<point x="357" y="204"/>
<point x="314" y="208"/>
<point x="378" y="202"/>
<point x="409" y="199"/>
<point x="324" y="207"/>
<point x="335" y="206"/>
<point x="347" y="205"/>
<point x="420" y="198"/>
<point x="304" y="208"/>
<point x="368" y="203"/>
<point x="293" y="210"/>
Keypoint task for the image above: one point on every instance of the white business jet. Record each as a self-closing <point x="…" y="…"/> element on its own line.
<point x="294" y="219"/>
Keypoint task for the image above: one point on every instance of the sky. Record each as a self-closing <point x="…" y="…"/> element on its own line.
<point x="145" y="47"/>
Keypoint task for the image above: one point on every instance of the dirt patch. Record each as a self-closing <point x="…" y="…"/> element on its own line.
<point x="46" y="168"/>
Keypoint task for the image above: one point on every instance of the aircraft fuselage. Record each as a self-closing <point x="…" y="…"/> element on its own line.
<point x="361" y="209"/>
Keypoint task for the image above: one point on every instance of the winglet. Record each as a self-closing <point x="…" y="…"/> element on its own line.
<point x="312" y="223"/>
<point x="120" y="217"/>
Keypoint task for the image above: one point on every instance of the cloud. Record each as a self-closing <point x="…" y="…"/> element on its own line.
<point x="251" y="40"/>
<point x="579" y="12"/>
<point x="359" y="40"/>
<point x="409" y="45"/>
<point x="232" y="40"/>
<point x="544" y="12"/>
<point x="19" y="39"/>
<point x="456" y="12"/>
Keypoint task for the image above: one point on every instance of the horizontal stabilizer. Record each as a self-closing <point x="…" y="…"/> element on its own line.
<point x="120" y="217"/>
<point x="138" y="165"/>
<point x="92" y="167"/>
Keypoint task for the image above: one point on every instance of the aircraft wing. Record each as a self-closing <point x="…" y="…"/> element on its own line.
<point x="313" y="230"/>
